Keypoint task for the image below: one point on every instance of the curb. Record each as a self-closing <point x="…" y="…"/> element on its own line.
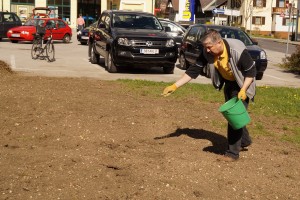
<point x="280" y="40"/>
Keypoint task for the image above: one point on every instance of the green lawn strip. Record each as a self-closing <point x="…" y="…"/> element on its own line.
<point x="274" y="103"/>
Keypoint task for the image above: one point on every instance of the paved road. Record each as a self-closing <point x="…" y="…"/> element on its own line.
<point x="278" y="45"/>
<point x="72" y="61"/>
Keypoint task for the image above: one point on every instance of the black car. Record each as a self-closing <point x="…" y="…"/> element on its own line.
<point x="176" y="30"/>
<point x="131" y="38"/>
<point x="8" y="20"/>
<point x="83" y="35"/>
<point x="191" y="46"/>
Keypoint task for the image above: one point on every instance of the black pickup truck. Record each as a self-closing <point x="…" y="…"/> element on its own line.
<point x="132" y="39"/>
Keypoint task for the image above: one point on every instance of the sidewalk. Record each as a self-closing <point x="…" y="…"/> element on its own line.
<point x="280" y="40"/>
<point x="285" y="41"/>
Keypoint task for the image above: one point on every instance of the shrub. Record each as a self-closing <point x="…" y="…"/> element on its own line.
<point x="292" y="63"/>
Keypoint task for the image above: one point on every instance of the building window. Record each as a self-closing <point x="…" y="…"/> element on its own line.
<point x="280" y="3"/>
<point x="22" y="1"/>
<point x="235" y="3"/>
<point x="60" y="8"/>
<point x="258" y="20"/>
<point x="259" y="3"/>
<point x="288" y="22"/>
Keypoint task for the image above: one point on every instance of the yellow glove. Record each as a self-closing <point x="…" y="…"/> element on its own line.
<point x="242" y="95"/>
<point x="169" y="90"/>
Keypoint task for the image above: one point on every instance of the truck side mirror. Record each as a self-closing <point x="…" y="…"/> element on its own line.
<point x="167" y="29"/>
<point x="254" y="41"/>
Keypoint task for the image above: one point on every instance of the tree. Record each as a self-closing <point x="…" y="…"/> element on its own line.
<point x="247" y="6"/>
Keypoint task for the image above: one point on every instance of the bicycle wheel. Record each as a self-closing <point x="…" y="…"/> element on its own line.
<point x="50" y="52"/>
<point x="35" y="49"/>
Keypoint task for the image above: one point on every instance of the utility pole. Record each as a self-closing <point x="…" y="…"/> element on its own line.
<point x="290" y="5"/>
<point x="297" y="21"/>
<point x="251" y="15"/>
<point x="215" y="14"/>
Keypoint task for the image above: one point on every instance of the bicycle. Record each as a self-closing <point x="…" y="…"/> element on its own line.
<point x="38" y="50"/>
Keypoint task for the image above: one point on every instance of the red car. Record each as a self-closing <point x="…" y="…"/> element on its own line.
<point x="61" y="30"/>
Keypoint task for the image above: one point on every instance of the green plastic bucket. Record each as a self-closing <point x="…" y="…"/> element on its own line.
<point x="235" y="112"/>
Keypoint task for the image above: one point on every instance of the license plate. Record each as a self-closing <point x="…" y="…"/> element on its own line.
<point x="84" y="37"/>
<point x="15" y="35"/>
<point x="149" y="51"/>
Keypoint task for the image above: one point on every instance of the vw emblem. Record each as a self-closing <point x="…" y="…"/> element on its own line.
<point x="149" y="43"/>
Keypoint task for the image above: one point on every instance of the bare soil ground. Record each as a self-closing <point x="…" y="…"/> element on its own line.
<point x="76" y="138"/>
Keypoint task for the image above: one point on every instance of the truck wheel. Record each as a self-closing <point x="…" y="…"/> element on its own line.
<point x="169" y="69"/>
<point x="111" y="67"/>
<point x="94" y="57"/>
<point x="182" y="61"/>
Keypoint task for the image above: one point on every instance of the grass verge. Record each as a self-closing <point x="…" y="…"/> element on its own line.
<point x="276" y="104"/>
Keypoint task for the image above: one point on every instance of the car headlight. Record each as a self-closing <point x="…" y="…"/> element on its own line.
<point x="25" y="32"/>
<point x="170" y="43"/>
<point x="124" y="41"/>
<point x="9" y="31"/>
<point x="263" y="55"/>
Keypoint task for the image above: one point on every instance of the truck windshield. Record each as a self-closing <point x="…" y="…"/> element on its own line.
<point x="135" y="21"/>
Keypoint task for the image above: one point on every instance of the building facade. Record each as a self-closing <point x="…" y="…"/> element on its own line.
<point x="69" y="10"/>
<point x="276" y="18"/>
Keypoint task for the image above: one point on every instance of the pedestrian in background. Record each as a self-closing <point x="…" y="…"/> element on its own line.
<point x="80" y="23"/>
<point x="225" y="61"/>
<point x="37" y="16"/>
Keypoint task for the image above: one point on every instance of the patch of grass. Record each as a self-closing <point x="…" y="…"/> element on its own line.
<point x="220" y="124"/>
<point x="204" y="92"/>
<point x="258" y="129"/>
<point x="255" y="35"/>
<point x="269" y="101"/>
<point x="281" y="103"/>
<point x="294" y="136"/>
<point x="278" y="101"/>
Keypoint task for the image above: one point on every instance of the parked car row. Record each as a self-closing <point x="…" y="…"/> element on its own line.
<point x="123" y="42"/>
<point x="130" y="38"/>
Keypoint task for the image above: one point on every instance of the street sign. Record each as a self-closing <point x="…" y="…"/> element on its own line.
<point x="231" y="12"/>
<point x="218" y="11"/>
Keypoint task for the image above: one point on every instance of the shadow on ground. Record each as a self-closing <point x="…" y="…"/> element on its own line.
<point x="219" y="142"/>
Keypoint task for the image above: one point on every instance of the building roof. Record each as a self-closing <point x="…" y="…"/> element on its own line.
<point x="211" y="4"/>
